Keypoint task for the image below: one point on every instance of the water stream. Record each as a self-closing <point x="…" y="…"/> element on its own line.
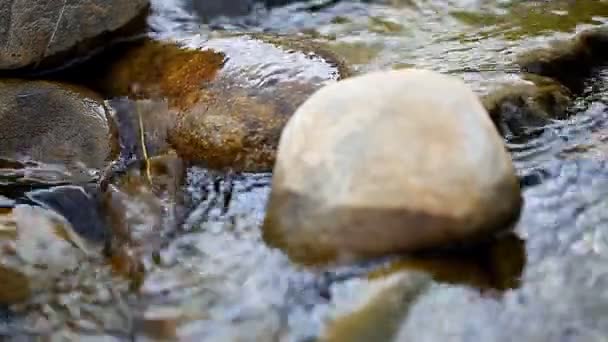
<point x="215" y="280"/>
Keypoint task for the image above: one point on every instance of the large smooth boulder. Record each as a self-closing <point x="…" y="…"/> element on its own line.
<point x="54" y="123"/>
<point x="33" y="30"/>
<point x="388" y="162"/>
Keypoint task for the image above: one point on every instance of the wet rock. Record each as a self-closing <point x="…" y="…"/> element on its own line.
<point x="365" y="171"/>
<point x="569" y="61"/>
<point x="15" y="286"/>
<point x="142" y="203"/>
<point x="233" y="95"/>
<point x="35" y="248"/>
<point x="497" y="265"/>
<point x="54" y="123"/>
<point x="378" y="316"/>
<point x="6" y="202"/>
<point x="79" y="206"/>
<point x="142" y="207"/>
<point x="17" y="177"/>
<point x="517" y="109"/>
<point x="210" y="9"/>
<point x="32" y="31"/>
<point x="143" y="127"/>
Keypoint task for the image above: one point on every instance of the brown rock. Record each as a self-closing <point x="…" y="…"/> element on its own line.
<point x="569" y="61"/>
<point x="14" y="286"/>
<point x="233" y="94"/>
<point x="389" y="162"/>
<point x="515" y="108"/>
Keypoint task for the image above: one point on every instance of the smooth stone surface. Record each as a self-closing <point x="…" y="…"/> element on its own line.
<point x="389" y="162"/>
<point x="232" y="95"/>
<point x="53" y="123"/>
<point x="33" y="30"/>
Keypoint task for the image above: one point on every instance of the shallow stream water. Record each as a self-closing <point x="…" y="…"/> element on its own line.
<point x="216" y="281"/>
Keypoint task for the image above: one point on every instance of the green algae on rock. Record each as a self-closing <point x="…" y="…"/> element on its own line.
<point x="233" y="94"/>
<point x="53" y="123"/>
<point x="411" y="163"/>
<point x="519" y="19"/>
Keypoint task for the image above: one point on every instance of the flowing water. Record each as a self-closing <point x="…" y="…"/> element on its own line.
<point x="215" y="280"/>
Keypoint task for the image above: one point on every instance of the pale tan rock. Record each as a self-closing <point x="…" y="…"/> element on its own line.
<point x="389" y="162"/>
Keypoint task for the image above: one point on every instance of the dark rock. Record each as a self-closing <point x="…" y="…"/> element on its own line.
<point x="208" y="9"/>
<point x="571" y="61"/>
<point x="53" y="123"/>
<point x="143" y="127"/>
<point x="517" y="109"/>
<point x="31" y="31"/>
<point x="79" y="206"/>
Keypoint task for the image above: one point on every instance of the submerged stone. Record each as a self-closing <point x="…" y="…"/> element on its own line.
<point x="142" y="205"/>
<point x="53" y="123"/>
<point x="79" y="206"/>
<point x="40" y="248"/>
<point x="14" y="286"/>
<point x="517" y="109"/>
<point x="496" y="265"/>
<point x="410" y="163"/>
<point x="569" y="61"/>
<point x="379" y="316"/>
<point x="232" y="95"/>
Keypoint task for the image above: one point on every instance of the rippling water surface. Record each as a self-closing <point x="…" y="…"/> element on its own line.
<point x="216" y="280"/>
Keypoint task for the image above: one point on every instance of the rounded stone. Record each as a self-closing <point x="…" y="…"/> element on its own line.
<point x="34" y="30"/>
<point x="232" y="95"/>
<point x="53" y="123"/>
<point x="389" y="162"/>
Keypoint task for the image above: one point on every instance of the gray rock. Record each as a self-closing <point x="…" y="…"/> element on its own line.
<point x="208" y="9"/>
<point x="32" y="30"/>
<point x="54" y="123"/>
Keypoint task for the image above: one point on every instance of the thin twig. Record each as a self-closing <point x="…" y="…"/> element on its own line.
<point x="142" y="137"/>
